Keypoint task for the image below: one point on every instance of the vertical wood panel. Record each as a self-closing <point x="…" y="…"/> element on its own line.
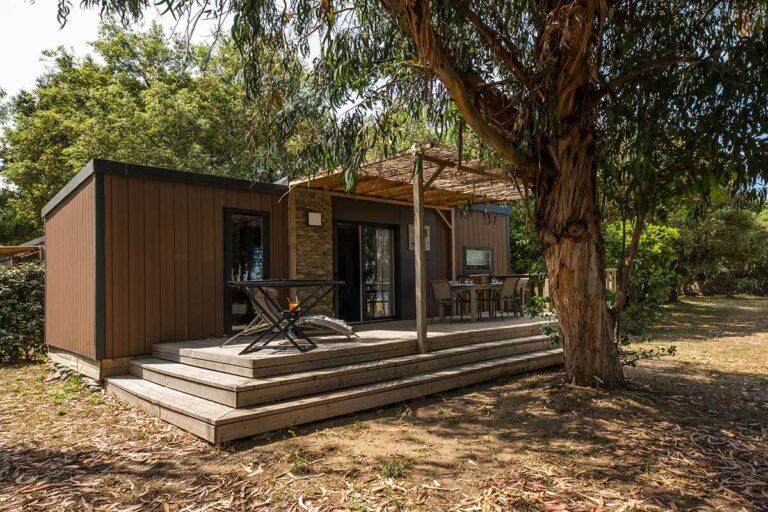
<point x="136" y="255"/>
<point x="167" y="255"/>
<point x="255" y="203"/>
<point x="151" y="265"/>
<point x="244" y="199"/>
<point x="120" y="267"/>
<point x="208" y="262"/>
<point x="88" y="316"/>
<point x="108" y="269"/>
<point x="181" y="261"/>
<point x="476" y="231"/>
<point x="220" y="199"/>
<point x="195" y="263"/>
<point x="279" y="236"/>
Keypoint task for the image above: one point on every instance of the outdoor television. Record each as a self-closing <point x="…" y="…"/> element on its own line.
<point x="478" y="260"/>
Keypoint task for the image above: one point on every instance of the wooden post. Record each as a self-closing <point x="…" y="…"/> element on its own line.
<point x="420" y="258"/>
<point x="454" y="256"/>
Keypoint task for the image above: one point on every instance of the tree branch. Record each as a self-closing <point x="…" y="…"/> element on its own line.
<point x="622" y="79"/>
<point x="507" y="56"/>
<point x="414" y="20"/>
<point x="621" y="297"/>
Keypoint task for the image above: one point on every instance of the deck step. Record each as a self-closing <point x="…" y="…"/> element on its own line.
<point x="216" y="422"/>
<point x="239" y="391"/>
<point x="207" y="354"/>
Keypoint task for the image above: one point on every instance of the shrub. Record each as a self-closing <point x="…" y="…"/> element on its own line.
<point x="654" y="274"/>
<point x="22" y="312"/>
<point x="725" y="252"/>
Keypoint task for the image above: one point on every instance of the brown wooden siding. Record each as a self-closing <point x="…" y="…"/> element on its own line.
<point x="164" y="264"/>
<point x="69" y="279"/>
<point x="484" y="230"/>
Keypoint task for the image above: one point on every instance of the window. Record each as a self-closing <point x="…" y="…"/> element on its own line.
<point x="478" y="260"/>
<point x="245" y="259"/>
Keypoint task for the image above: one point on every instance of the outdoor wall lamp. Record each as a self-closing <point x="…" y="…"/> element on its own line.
<point x="314" y="219"/>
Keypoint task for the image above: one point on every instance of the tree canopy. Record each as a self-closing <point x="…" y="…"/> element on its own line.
<point x="145" y="98"/>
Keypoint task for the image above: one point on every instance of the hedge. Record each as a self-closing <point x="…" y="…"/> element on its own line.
<point x="22" y="313"/>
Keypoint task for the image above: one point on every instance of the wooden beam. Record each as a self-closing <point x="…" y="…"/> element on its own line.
<point x="385" y="200"/>
<point x="442" y="217"/>
<point x="434" y="176"/>
<point x="420" y="261"/>
<point x="454" y="255"/>
<point x="471" y="170"/>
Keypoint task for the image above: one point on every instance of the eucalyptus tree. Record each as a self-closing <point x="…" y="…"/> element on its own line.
<point x="532" y="80"/>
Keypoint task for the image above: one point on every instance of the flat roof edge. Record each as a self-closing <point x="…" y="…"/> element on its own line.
<point x="70" y="187"/>
<point x="493" y="208"/>
<point x="100" y="166"/>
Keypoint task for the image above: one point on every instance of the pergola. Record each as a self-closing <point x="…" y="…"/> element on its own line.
<point x="14" y="251"/>
<point x="442" y="183"/>
<point x="445" y="184"/>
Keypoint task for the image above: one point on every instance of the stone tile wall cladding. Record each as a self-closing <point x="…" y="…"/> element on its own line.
<point x="312" y="246"/>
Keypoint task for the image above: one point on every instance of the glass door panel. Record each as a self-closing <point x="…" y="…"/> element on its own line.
<point x="347" y="269"/>
<point x="246" y="261"/>
<point x="378" y="267"/>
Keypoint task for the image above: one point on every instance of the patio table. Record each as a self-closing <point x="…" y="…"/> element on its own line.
<point x="474" y="289"/>
<point x="271" y="320"/>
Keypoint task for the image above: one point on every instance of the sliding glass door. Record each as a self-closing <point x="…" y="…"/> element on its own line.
<point x="378" y="272"/>
<point x="365" y="258"/>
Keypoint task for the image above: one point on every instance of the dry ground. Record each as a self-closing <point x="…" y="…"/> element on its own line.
<point x="691" y="433"/>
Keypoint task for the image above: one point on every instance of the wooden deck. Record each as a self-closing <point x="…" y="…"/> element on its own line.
<point x="220" y="395"/>
<point x="376" y="341"/>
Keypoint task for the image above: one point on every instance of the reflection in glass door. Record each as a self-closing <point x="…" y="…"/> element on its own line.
<point x="364" y="259"/>
<point x="245" y="253"/>
<point x="378" y="267"/>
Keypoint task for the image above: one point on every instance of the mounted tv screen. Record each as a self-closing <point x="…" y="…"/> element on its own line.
<point x="478" y="260"/>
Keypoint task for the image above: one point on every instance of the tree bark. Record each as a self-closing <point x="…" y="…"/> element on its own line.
<point x="568" y="225"/>
<point x="567" y="213"/>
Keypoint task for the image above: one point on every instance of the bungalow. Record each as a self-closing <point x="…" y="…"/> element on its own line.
<point x="138" y="260"/>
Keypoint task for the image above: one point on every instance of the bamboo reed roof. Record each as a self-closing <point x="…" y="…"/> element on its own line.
<point x="14" y="250"/>
<point x="445" y="184"/>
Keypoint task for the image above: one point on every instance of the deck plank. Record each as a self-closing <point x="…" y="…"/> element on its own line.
<point x="216" y="423"/>
<point x="237" y="390"/>
<point x="384" y="338"/>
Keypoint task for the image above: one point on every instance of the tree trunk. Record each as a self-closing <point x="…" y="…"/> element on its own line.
<point x="568" y="224"/>
<point x="567" y="213"/>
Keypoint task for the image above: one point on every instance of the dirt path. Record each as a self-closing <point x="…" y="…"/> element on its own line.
<point x="691" y="433"/>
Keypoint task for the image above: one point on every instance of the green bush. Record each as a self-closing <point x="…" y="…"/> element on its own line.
<point x="654" y="274"/>
<point x="22" y="312"/>
<point x="724" y="252"/>
<point x="524" y="252"/>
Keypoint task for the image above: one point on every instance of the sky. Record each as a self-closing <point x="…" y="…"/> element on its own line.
<point x="27" y="28"/>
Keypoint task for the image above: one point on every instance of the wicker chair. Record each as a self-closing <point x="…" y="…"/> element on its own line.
<point x="508" y="294"/>
<point x="445" y="296"/>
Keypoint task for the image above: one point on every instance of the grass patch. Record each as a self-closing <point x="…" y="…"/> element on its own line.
<point x="393" y="468"/>
<point x="298" y="458"/>
<point x="360" y="426"/>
